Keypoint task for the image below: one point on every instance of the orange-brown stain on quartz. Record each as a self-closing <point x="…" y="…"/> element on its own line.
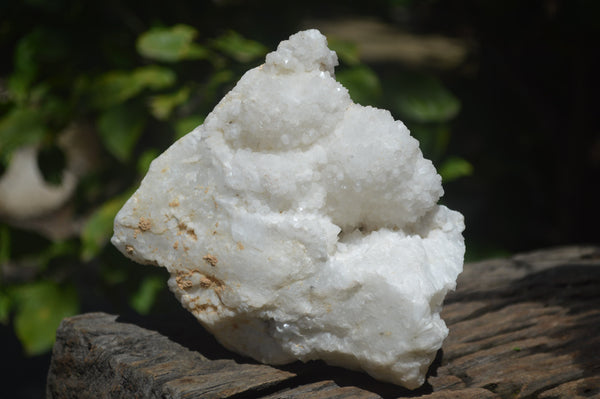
<point x="144" y="224"/>
<point x="212" y="282"/>
<point x="203" y="307"/>
<point x="183" y="228"/>
<point x="210" y="259"/>
<point x="183" y="281"/>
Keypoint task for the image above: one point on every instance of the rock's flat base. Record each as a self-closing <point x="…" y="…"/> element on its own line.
<point x="527" y="326"/>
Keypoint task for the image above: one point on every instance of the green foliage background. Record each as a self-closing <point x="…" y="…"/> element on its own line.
<point x="140" y="77"/>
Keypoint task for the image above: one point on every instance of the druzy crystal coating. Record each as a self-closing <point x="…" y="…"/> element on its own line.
<point x="298" y="225"/>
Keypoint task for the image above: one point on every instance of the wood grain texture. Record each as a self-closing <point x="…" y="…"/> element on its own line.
<point x="522" y="327"/>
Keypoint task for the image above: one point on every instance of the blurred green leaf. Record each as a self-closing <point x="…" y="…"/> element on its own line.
<point x="144" y="160"/>
<point x="55" y="250"/>
<point x="476" y="251"/>
<point x="162" y="105"/>
<point x="362" y="84"/>
<point x="120" y="128"/>
<point x="4" y="244"/>
<point x="4" y="308"/>
<point x="210" y="90"/>
<point x="40" y="306"/>
<point x="346" y="51"/>
<point x="424" y="98"/>
<point x="145" y="296"/>
<point x="25" y="66"/>
<point x="36" y="54"/>
<point x="113" y="275"/>
<point x="185" y="125"/>
<point x="433" y="138"/>
<point x="52" y="108"/>
<point x="116" y="87"/>
<point x="154" y="77"/>
<point x="217" y="79"/>
<point x="98" y="229"/>
<point x="20" y="127"/>
<point x="171" y="44"/>
<point x="455" y="167"/>
<point x="113" y="88"/>
<point x="239" y="48"/>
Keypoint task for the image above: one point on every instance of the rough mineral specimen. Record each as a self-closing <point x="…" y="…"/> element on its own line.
<point x="296" y="224"/>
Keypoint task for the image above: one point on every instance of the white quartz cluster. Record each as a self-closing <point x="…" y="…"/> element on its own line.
<point x="296" y="224"/>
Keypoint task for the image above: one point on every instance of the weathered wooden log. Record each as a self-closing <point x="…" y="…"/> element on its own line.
<point x="523" y="327"/>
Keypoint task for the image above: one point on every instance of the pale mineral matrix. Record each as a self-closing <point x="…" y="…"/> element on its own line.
<point x="296" y="224"/>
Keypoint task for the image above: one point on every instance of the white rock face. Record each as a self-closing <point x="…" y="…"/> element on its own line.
<point x="296" y="224"/>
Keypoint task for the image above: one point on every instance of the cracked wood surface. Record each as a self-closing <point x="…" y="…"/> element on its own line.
<point x="522" y="327"/>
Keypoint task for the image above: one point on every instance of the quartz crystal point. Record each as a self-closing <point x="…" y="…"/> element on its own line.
<point x="296" y="224"/>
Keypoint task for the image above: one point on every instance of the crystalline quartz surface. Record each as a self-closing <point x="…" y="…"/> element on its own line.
<point x="296" y="224"/>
